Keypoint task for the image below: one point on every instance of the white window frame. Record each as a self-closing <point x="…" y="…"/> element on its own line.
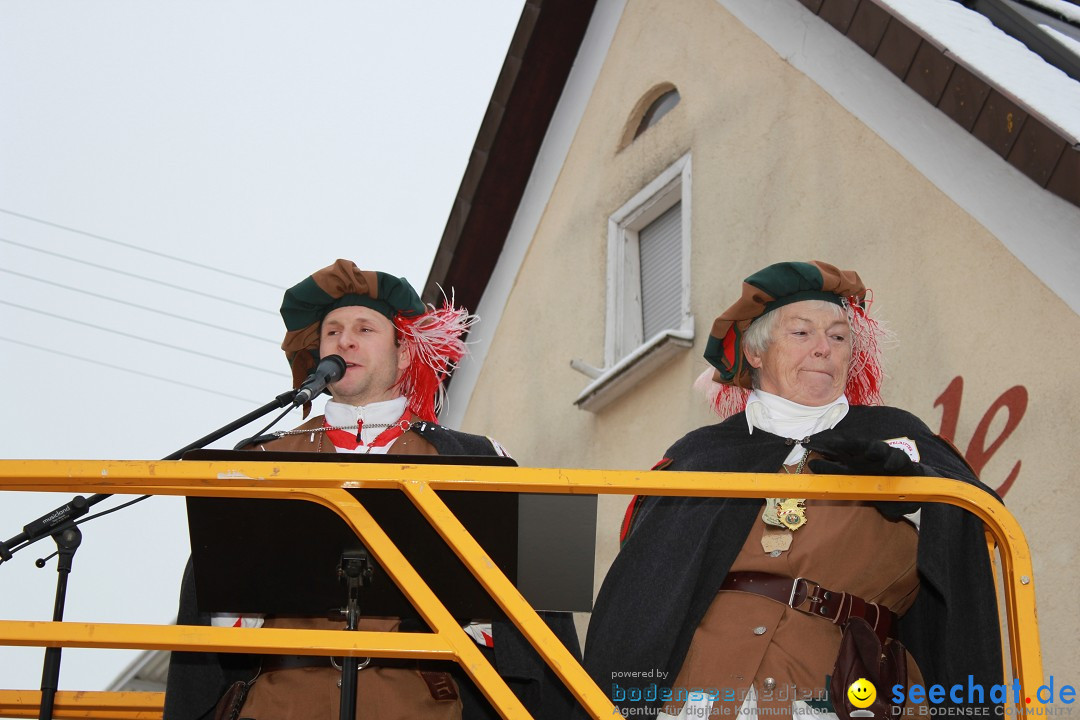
<point x="627" y="355"/>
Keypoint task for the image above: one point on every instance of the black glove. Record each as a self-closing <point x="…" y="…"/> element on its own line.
<point x="847" y="455"/>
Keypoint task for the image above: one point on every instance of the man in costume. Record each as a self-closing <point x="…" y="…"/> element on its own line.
<point x="772" y="607"/>
<point x="397" y="352"/>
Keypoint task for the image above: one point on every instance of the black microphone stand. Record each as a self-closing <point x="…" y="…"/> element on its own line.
<point x="67" y="542"/>
<point x="61" y="525"/>
<point x="355" y="571"/>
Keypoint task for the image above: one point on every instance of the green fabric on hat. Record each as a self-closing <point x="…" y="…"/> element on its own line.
<point x="301" y="302"/>
<point x="306" y="302"/>
<point x="400" y="295"/>
<point x="790" y="282"/>
<point x="380" y="306"/>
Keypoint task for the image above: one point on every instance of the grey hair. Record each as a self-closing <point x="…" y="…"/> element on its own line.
<point x="757" y="338"/>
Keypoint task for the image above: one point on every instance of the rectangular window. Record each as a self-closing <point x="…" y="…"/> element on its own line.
<point x="648" y="286"/>
<point x="649" y="264"/>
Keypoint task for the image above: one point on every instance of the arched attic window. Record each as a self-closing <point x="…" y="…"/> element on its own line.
<point x="652" y="106"/>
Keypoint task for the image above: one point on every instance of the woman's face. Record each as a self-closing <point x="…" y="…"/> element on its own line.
<point x="807" y="360"/>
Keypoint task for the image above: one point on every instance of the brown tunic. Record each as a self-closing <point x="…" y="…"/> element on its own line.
<point x="746" y="638"/>
<point x="382" y="693"/>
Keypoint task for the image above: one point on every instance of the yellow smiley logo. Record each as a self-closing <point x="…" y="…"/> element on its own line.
<point x="862" y="693"/>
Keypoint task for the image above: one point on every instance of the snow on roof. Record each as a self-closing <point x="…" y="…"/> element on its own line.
<point x="1000" y="59"/>
<point x="1066" y="9"/>
<point x="1062" y="38"/>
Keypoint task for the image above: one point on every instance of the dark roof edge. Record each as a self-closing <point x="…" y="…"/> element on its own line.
<point x="1018" y="133"/>
<point x="537" y="65"/>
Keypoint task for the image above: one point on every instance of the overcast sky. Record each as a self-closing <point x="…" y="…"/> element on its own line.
<point x="166" y="170"/>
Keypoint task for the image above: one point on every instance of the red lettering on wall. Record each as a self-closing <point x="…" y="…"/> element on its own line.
<point x="949" y="401"/>
<point x="1013" y="401"/>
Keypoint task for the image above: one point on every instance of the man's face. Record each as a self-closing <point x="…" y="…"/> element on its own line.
<point x="807" y="360"/>
<point x="366" y="340"/>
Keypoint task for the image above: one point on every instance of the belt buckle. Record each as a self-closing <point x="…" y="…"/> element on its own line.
<point x="338" y="666"/>
<point x="795" y="591"/>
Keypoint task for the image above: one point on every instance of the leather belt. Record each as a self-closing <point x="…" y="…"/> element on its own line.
<point x="439" y="683"/>
<point x="809" y="597"/>
<point x="271" y="663"/>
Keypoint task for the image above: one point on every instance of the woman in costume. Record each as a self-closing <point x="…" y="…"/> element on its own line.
<point x="722" y="605"/>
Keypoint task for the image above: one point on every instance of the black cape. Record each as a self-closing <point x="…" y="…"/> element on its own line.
<point x="680" y="549"/>
<point x="197" y="680"/>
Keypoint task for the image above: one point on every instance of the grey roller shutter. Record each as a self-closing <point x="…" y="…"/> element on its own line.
<point x="660" y="245"/>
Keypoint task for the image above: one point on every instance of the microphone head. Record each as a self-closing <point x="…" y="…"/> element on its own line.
<point x="330" y="369"/>
<point x="333" y="366"/>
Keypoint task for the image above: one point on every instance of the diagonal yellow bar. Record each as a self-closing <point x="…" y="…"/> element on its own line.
<point x="424" y="600"/>
<point x="509" y="599"/>
<point x="323" y="483"/>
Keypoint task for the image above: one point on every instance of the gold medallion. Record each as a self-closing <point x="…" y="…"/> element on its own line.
<point x="791" y="513"/>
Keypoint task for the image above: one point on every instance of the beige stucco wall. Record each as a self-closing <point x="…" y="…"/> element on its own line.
<point x="782" y="172"/>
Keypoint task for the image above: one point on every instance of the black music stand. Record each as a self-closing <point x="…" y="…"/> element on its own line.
<point x="283" y="557"/>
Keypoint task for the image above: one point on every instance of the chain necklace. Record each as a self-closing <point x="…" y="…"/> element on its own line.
<point x="788" y="513"/>
<point x="325" y="428"/>
<point x="800" y="466"/>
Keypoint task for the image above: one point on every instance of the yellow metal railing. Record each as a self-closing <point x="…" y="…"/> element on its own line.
<point x="327" y="484"/>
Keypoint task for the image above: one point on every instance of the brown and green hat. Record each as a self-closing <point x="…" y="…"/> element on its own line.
<point x="339" y="285"/>
<point x="775" y="286"/>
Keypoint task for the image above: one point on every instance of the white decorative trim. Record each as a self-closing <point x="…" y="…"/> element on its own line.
<point x="626" y="373"/>
<point x="560" y="134"/>
<point x="628" y="357"/>
<point x="146" y="673"/>
<point x="622" y="331"/>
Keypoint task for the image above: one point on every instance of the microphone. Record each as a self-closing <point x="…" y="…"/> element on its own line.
<point x="330" y="369"/>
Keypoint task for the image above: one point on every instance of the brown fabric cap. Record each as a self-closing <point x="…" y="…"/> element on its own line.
<point x="769" y="289"/>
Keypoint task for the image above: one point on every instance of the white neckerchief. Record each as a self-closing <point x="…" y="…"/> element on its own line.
<point x="374" y="416"/>
<point x="787" y="419"/>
